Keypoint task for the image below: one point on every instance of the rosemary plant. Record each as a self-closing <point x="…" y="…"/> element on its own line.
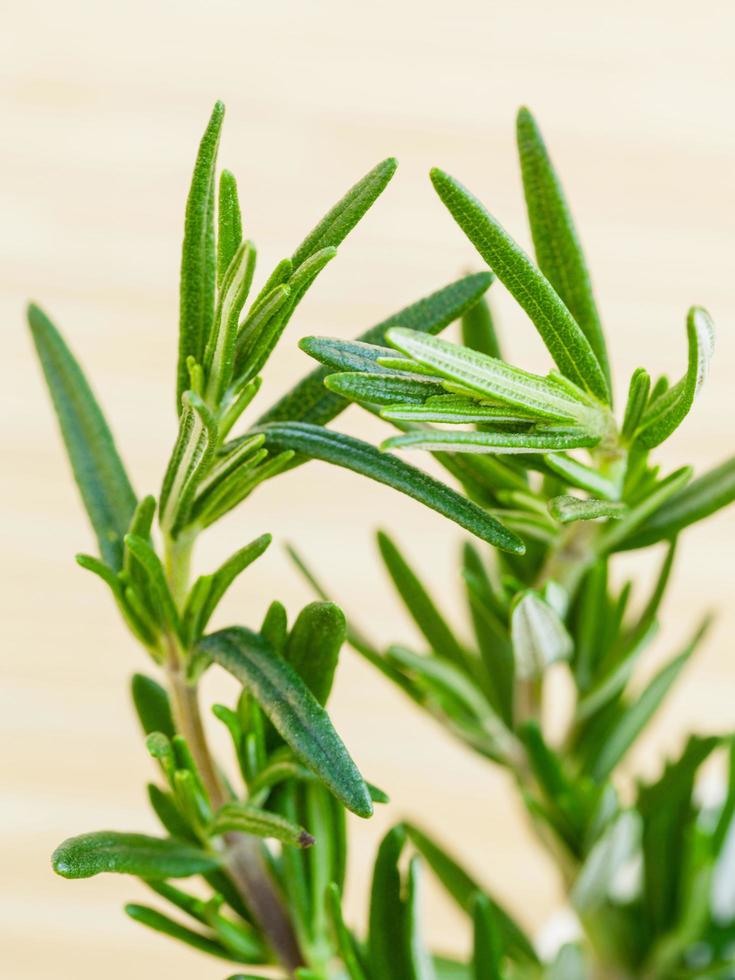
<point x="265" y="896"/>
<point x="650" y="874"/>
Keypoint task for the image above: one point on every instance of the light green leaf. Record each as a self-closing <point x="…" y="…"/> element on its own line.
<point x="133" y="854"/>
<point x="346" y="213"/>
<point x="189" y="462"/>
<point x="360" y="457"/>
<point x="644" y="510"/>
<point x="558" y="250"/>
<point x="419" y="958"/>
<point x="219" y="355"/>
<point x="576" y="474"/>
<point x="247" y="819"/>
<point x="346" y="943"/>
<point x="106" y="492"/>
<point x="704" y="496"/>
<point x="637" y="715"/>
<point x="538" y="635"/>
<point x="382" y="389"/>
<point x="198" y="258"/>
<point x="492" y="378"/>
<point x="488" y="944"/>
<point x="388" y="954"/>
<point x="560" y="332"/>
<point x="152" y="706"/>
<point x="454" y="409"/>
<point x="478" y="329"/>
<point x="168" y="927"/>
<point x="666" y="413"/>
<point x="566" y="509"/>
<point x="229" y="223"/>
<point x="293" y="710"/>
<point x="309" y="401"/>
<point x="552" y="440"/>
<point x="638" y="392"/>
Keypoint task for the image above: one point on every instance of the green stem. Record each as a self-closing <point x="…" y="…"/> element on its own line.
<point x="246" y="864"/>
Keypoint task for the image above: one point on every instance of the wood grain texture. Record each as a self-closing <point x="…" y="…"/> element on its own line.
<point x="100" y="111"/>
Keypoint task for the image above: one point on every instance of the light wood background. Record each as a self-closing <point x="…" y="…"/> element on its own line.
<point x="101" y="108"/>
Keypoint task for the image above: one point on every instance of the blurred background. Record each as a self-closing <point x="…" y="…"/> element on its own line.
<point x="102" y="106"/>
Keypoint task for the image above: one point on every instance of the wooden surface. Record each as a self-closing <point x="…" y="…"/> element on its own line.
<point x="101" y="108"/>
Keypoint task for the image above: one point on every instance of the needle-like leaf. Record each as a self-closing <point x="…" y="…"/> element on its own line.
<point x="556" y="243"/>
<point x="249" y="819"/>
<point x="293" y="710"/>
<point x="560" y="332"/>
<point x="198" y="258"/>
<point x="98" y="471"/>
<point x="353" y="454"/>
<point x="133" y="854"/>
<point x="229" y="224"/>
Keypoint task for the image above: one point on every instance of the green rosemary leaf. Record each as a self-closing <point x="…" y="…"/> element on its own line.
<point x="454" y="409"/>
<point x="249" y="819"/>
<point x="309" y="401"/>
<point x="583" y="477"/>
<point x="219" y="355"/>
<point x="293" y="710"/>
<point x="346" y="943"/>
<point x="198" y="259"/>
<point x="704" y="496"/>
<point x="161" y="923"/>
<point x="464" y="889"/>
<point x="492" y="378"/>
<point x="388" y="953"/>
<point x="229" y="224"/>
<point x="638" y="392"/>
<point x="538" y="635"/>
<point x="382" y="389"/>
<point x="165" y="808"/>
<point x="553" y="440"/>
<point x="645" y="509"/>
<point x="314" y="644"/>
<point x="133" y="854"/>
<point x="260" y="332"/>
<point x="566" y="509"/>
<point x="346" y="213"/>
<point x="478" y="329"/>
<point x="99" y="473"/>
<point x="666" y="413"/>
<point x="346" y="355"/>
<point x="556" y="243"/>
<point x="668" y="815"/>
<point x="420" y="605"/>
<point x="189" y="461"/>
<point x="208" y="590"/>
<point x="137" y="617"/>
<point x="156" y="576"/>
<point x="488" y="943"/>
<point x="563" y="337"/>
<point x="152" y="705"/>
<point x="634" y="719"/>
<point x="419" y="958"/>
<point x="361" y="457"/>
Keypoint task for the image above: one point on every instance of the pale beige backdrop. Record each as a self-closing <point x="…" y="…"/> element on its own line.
<point x="102" y="105"/>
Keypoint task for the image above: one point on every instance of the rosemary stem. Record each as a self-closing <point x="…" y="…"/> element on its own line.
<point x="246" y="864"/>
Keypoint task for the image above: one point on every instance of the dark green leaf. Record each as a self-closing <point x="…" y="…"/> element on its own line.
<point x="198" y="259"/>
<point x="346" y="943"/>
<point x="132" y="854"/>
<point x="419" y="958"/>
<point x="314" y="644"/>
<point x="558" y="251"/>
<point x="98" y="471"/>
<point x="292" y="708"/>
<point x="152" y="705"/>
<point x="342" y="450"/>
<point x="638" y="391"/>
<point x="386" y="936"/>
<point x="247" y="819"/>
<point x="488" y="943"/>
<point x="161" y="923"/>
<point x="342" y="218"/>
<point x="562" y="335"/>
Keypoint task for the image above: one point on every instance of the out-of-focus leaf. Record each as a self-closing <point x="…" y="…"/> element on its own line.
<point x="346" y="943"/>
<point x="152" y="706"/>
<point x="419" y="958"/>
<point x="704" y="496"/>
<point x="538" y="634"/>
<point x="387" y="947"/>
<point x="643" y="511"/>
<point x="478" y="329"/>
<point x="566" y="509"/>
<point x="106" y="492"/>
<point x="560" y="332"/>
<point x="488" y="944"/>
<point x="163" y="924"/>
<point x="294" y="711"/>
